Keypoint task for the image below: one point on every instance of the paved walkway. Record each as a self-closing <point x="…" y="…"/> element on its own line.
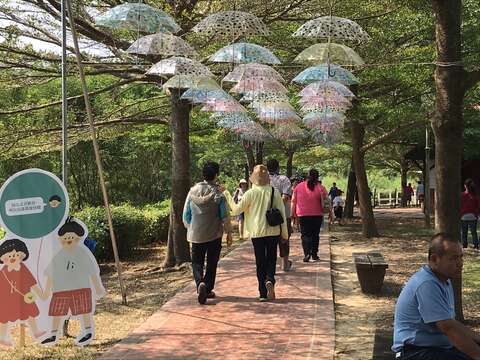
<point x="298" y="325"/>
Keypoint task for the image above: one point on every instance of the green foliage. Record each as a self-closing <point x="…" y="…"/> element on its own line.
<point x="134" y="227"/>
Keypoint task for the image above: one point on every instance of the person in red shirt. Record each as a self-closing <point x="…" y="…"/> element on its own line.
<point x="18" y="289"/>
<point x="469" y="210"/>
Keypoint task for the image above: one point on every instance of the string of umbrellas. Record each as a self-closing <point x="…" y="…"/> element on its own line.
<point x="252" y="100"/>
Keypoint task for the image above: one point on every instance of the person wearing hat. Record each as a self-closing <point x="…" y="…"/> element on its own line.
<point x="254" y="204"/>
<point x="237" y="196"/>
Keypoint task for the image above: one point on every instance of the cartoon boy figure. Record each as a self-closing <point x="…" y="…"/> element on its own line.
<point x="55" y="201"/>
<point x="70" y="276"/>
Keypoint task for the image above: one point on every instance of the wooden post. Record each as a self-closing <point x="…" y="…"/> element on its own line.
<point x="22" y="335"/>
<point x="96" y="149"/>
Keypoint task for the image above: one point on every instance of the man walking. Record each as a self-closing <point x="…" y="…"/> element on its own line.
<point x="205" y="216"/>
<point x="425" y="327"/>
<point x="284" y="186"/>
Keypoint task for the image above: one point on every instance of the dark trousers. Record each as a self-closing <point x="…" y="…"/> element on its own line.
<point x="415" y="353"/>
<point x="284" y="246"/>
<point x="266" y="259"/>
<point x="211" y="250"/>
<point x="472" y="225"/>
<point x="310" y="229"/>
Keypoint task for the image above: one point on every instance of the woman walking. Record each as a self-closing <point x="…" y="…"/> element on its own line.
<point x="307" y="207"/>
<point x="469" y="210"/>
<point x="255" y="204"/>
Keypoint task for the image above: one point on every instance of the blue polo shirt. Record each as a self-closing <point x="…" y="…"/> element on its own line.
<point x="424" y="300"/>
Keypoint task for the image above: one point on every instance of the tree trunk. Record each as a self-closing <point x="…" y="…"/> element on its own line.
<point x="351" y="190"/>
<point x="259" y="151"/>
<point x="290" y="154"/>
<point x="179" y="125"/>
<point x="248" y="147"/>
<point x="403" y="181"/>
<point x="170" y="256"/>
<point x="447" y="124"/>
<point x="369" y="228"/>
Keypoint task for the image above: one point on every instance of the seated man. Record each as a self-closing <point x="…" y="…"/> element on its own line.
<point x="425" y="326"/>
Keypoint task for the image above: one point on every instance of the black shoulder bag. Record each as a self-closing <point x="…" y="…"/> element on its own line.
<point x="274" y="216"/>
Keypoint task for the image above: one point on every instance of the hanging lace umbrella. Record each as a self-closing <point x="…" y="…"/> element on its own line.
<point x="177" y="65"/>
<point x="252" y="70"/>
<point x="321" y="73"/>
<point x="138" y="17"/>
<point x="276" y="116"/>
<point x="332" y="137"/>
<point x="335" y="28"/>
<point x="161" y="44"/>
<point x="326" y="115"/>
<point x="267" y="96"/>
<point x="231" y="25"/>
<point x="261" y="104"/>
<point x="244" y="53"/>
<point x="323" y="123"/>
<point x="197" y="96"/>
<point x="288" y="132"/>
<point x="253" y="131"/>
<point x="339" y="54"/>
<point x="320" y="99"/>
<point x="258" y="86"/>
<point x="185" y="82"/>
<point x="325" y="88"/>
<point x="325" y="104"/>
<point x="223" y="105"/>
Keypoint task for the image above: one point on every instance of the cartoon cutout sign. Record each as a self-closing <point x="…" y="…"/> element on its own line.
<point x="69" y="272"/>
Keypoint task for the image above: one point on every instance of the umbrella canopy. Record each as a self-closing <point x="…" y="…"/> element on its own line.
<point x="326" y="115"/>
<point x="161" y="44"/>
<point x="325" y="123"/>
<point x="325" y="104"/>
<point x="258" y="86"/>
<point x="332" y="137"/>
<point x="333" y="27"/>
<point x="179" y="66"/>
<point x="289" y="131"/>
<point x="325" y="88"/>
<point x="318" y="99"/>
<point x="274" y="116"/>
<point x="252" y="70"/>
<point x="338" y="54"/>
<point x="196" y="95"/>
<point x="183" y="82"/>
<point x="244" y="53"/>
<point x="321" y="73"/>
<point x="266" y="96"/>
<point x="138" y="17"/>
<point x="231" y="25"/>
<point x="223" y="105"/>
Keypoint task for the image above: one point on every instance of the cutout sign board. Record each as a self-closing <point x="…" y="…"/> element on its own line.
<point x="47" y="274"/>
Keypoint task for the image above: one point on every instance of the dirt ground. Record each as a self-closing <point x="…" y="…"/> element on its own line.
<point x="148" y="287"/>
<point x="364" y="323"/>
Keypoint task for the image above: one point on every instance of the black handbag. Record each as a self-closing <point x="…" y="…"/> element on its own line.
<point x="274" y="216"/>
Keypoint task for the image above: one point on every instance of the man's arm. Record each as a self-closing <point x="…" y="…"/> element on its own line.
<point x="461" y="337"/>
<point x="187" y="212"/>
<point x="224" y="215"/>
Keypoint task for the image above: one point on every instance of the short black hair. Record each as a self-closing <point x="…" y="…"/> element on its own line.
<point x="273" y="166"/>
<point x="55" y="197"/>
<point x="436" y="244"/>
<point x="210" y="170"/>
<point x="71" y="226"/>
<point x="13" y="244"/>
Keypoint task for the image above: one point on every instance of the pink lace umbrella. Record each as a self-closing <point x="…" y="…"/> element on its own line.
<point x="325" y="104"/>
<point x="223" y="105"/>
<point x="326" y="88"/>
<point x="259" y="86"/>
<point x="289" y="132"/>
<point x="319" y="99"/>
<point x="252" y="70"/>
<point x="271" y="105"/>
<point x="279" y="116"/>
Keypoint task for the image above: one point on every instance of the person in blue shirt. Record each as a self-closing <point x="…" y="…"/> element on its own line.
<point x="425" y="327"/>
<point x="205" y="216"/>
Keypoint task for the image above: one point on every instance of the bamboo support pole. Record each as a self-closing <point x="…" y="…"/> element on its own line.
<point x="96" y="149"/>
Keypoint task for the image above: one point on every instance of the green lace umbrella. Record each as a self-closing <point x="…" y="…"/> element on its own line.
<point x="339" y="54"/>
<point x="139" y="17"/>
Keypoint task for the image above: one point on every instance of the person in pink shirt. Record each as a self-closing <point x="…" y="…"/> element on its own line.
<point x="307" y="209"/>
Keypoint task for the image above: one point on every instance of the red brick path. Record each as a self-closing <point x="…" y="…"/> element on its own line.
<point x="298" y="325"/>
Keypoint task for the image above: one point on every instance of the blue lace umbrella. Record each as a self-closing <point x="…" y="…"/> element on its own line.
<point x="244" y="53"/>
<point x="139" y="17"/>
<point x="321" y="73"/>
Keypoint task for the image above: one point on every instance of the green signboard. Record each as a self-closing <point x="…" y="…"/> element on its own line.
<point x="33" y="204"/>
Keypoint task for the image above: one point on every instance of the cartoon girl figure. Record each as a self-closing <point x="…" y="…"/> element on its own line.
<point x="18" y="288"/>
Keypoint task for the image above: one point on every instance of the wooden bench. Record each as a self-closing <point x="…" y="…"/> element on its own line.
<point x="371" y="268"/>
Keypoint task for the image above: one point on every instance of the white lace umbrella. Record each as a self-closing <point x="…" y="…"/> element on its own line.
<point x="161" y="44"/>
<point x="231" y="25"/>
<point x="333" y="27"/>
<point x="244" y="53"/>
<point x="179" y="66"/>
